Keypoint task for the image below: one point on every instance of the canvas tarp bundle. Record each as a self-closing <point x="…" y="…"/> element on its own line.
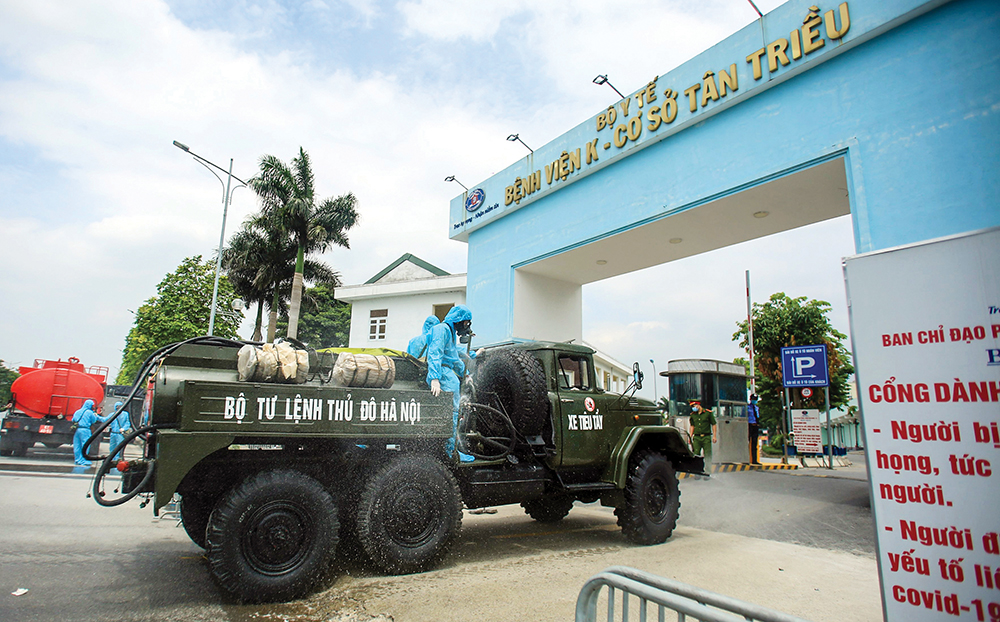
<point x="272" y="363"/>
<point x="364" y="370"/>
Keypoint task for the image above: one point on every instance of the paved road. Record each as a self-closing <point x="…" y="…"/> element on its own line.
<point x="830" y="513"/>
<point x="83" y="562"/>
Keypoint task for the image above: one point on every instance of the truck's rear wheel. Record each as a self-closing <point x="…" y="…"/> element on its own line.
<point x="195" y="511"/>
<point x="15" y="449"/>
<point x="652" y="502"/>
<point x="549" y="509"/>
<point x="513" y="381"/>
<point x="272" y="537"/>
<point x="408" y="514"/>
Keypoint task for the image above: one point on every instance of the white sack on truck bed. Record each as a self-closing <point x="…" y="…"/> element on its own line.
<point x="364" y="370"/>
<point x="272" y="363"/>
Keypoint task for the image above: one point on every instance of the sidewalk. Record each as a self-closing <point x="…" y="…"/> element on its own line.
<point x="851" y="466"/>
<point x="59" y="461"/>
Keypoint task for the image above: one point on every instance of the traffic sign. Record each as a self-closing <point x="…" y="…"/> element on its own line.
<point x="804" y="366"/>
<point x="807" y="392"/>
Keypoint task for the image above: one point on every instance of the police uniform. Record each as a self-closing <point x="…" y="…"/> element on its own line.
<point x="701" y="433"/>
<point x="753" y="427"/>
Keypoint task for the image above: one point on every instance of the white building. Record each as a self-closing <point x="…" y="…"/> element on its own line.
<point x="390" y="308"/>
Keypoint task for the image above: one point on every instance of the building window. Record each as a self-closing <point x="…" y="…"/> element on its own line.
<point x="376" y="326"/>
<point x="442" y="310"/>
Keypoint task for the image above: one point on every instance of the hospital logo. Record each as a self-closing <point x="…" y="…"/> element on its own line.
<point x="476" y="199"/>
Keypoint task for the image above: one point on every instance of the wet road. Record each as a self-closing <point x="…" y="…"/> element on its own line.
<point x="83" y="562"/>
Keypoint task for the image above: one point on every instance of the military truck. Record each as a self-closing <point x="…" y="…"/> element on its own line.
<point x="274" y="478"/>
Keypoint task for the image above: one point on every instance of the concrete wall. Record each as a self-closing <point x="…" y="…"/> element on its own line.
<point x="912" y="105"/>
<point x="406" y="317"/>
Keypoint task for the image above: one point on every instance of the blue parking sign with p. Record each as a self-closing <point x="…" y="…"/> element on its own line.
<point x="804" y="366"/>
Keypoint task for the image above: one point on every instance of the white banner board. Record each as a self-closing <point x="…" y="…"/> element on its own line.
<point x="925" y="324"/>
<point x="808" y="431"/>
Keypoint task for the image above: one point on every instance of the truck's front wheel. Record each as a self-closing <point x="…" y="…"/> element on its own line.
<point x="408" y="514"/>
<point x="272" y="537"/>
<point x="652" y="502"/>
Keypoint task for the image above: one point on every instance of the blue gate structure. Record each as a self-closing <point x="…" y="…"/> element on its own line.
<point x="662" y="594"/>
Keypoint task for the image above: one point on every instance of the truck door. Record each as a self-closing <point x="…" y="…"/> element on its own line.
<point x="584" y="441"/>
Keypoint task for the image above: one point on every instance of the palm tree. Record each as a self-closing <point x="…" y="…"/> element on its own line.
<point x="253" y="262"/>
<point x="288" y="199"/>
<point x="260" y="263"/>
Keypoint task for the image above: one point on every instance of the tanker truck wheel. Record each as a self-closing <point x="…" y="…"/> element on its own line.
<point x="273" y="537"/>
<point x="408" y="514"/>
<point x="14" y="449"/>
<point x="652" y="502"/>
<point x="513" y="381"/>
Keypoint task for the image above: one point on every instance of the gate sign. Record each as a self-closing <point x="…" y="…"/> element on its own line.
<point x="804" y="366"/>
<point x="925" y="322"/>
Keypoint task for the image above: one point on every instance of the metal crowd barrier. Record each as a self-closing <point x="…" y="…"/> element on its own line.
<point x="666" y="595"/>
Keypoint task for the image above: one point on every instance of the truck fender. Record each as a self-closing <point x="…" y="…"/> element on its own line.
<point x="185" y="450"/>
<point x="663" y="438"/>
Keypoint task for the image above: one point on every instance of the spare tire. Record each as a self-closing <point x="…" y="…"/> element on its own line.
<point x="513" y="381"/>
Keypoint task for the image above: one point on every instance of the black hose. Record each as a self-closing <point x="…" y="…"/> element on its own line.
<point x="147" y="366"/>
<point x="106" y="465"/>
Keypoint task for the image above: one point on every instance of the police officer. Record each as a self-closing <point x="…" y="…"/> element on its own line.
<point x="703" y="431"/>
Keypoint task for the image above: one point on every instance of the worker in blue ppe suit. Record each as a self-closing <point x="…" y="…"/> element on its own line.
<point x="119" y="428"/>
<point x="84" y="418"/>
<point x="444" y="365"/>
<point x="417" y="347"/>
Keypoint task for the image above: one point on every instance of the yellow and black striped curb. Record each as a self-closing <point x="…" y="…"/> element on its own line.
<point x="731" y="468"/>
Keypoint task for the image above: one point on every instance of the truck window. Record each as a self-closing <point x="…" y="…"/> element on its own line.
<point x="574" y="372"/>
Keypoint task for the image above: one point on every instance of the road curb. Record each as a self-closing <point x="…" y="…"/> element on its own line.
<point x="733" y="468"/>
<point x="54" y="469"/>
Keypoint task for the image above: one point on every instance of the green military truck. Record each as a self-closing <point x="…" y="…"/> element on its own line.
<point x="274" y="478"/>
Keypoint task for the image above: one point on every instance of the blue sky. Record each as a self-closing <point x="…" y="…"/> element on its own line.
<point x="387" y="97"/>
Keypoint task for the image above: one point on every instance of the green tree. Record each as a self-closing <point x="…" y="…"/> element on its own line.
<point x="783" y="322"/>
<point x="7" y="378"/>
<point x="179" y="310"/>
<point x="287" y="196"/>
<point x="260" y="262"/>
<point x="325" y="322"/>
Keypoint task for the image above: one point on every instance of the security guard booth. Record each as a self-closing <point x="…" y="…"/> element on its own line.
<point x="721" y="387"/>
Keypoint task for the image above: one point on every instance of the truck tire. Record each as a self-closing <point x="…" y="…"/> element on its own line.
<point x="15" y="449"/>
<point x="408" y="514"/>
<point x="551" y="509"/>
<point x="273" y="537"/>
<point x="195" y="511"/>
<point x="649" y="512"/>
<point x="516" y="381"/>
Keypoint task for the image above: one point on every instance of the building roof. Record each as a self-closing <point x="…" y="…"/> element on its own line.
<point x="420" y="263"/>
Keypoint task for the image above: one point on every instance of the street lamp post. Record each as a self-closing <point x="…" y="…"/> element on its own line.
<point x="226" y="198"/>
<point x="654" y="381"/>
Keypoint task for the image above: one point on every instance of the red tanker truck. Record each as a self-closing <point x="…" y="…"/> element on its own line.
<point x="44" y="400"/>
